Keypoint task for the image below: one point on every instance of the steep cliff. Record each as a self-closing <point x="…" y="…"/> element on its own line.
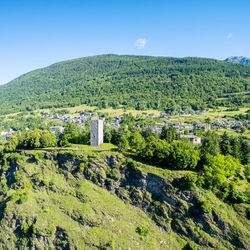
<point x="107" y="200"/>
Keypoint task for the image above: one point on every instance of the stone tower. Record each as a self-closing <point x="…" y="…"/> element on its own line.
<point x="96" y="132"/>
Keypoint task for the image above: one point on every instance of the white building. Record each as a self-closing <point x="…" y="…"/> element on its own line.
<point x="192" y="138"/>
<point x="57" y="128"/>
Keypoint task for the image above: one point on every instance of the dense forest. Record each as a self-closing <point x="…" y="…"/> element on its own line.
<point x="138" y="82"/>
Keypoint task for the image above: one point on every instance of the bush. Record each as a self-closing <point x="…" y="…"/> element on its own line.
<point x="131" y="165"/>
<point x="82" y="167"/>
<point x="123" y="145"/>
<point x="25" y="229"/>
<point x="3" y="187"/>
<point x="205" y="206"/>
<point x="155" y="151"/>
<point x="38" y="155"/>
<point x="177" y="154"/>
<point x="190" y="246"/>
<point x="11" y="144"/>
<point x="238" y="196"/>
<point x="19" y="176"/>
<point x="143" y="231"/>
<point x="50" y="230"/>
<point x="247" y="172"/>
<point x="189" y="181"/>
<point x="23" y="198"/>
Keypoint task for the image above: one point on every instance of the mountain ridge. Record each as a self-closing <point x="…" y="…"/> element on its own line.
<point x="238" y="59"/>
<point x="129" y="81"/>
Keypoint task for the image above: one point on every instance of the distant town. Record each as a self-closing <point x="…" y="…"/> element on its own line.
<point x="187" y="130"/>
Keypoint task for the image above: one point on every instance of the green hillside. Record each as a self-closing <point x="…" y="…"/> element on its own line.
<point x="105" y="200"/>
<point x="130" y="81"/>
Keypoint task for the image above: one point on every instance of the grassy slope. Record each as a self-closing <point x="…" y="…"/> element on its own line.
<point x="105" y="220"/>
<point x="63" y="209"/>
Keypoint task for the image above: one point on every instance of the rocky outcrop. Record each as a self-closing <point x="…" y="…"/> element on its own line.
<point x="171" y="206"/>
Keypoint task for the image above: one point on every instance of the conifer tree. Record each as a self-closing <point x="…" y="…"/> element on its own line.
<point x="225" y="146"/>
<point x="235" y="148"/>
<point x="244" y="149"/>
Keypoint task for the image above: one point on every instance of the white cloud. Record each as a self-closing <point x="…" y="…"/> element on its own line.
<point x="140" y="43"/>
<point x="229" y="35"/>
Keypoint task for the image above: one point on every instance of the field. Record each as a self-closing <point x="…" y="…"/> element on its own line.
<point x="110" y="111"/>
<point x="213" y="114"/>
<point x="219" y="114"/>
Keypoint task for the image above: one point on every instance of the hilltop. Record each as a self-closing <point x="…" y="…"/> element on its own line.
<point x="238" y="59"/>
<point x="138" y="82"/>
<point x="106" y="200"/>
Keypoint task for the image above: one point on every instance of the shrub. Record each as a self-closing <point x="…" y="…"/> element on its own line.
<point x="3" y="186"/>
<point x="82" y="167"/>
<point x="143" y="231"/>
<point x="115" y="173"/>
<point x="19" y="176"/>
<point x="247" y="172"/>
<point x="155" y="151"/>
<point x="50" y="230"/>
<point x="38" y="155"/>
<point x="205" y="206"/>
<point x="12" y="144"/>
<point x="131" y="165"/>
<point x="190" y="246"/>
<point x="23" y="198"/>
<point x="238" y="196"/>
<point x="123" y="144"/>
<point x="25" y="229"/>
<point x="189" y="181"/>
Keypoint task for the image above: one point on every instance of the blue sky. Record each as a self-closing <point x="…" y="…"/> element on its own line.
<point x="37" y="33"/>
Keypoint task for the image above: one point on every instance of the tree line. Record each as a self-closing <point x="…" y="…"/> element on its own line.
<point x="219" y="160"/>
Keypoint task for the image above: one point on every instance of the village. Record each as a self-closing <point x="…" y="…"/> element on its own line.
<point x="187" y="130"/>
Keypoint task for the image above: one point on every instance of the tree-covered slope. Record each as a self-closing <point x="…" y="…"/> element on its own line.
<point x="238" y="59"/>
<point x="53" y="199"/>
<point x="133" y="81"/>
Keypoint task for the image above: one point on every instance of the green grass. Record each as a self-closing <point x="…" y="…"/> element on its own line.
<point x="59" y="197"/>
<point x="103" y="146"/>
<point x="104" y="218"/>
<point x="77" y="147"/>
<point x="110" y="111"/>
<point x="231" y="132"/>
<point x="218" y="114"/>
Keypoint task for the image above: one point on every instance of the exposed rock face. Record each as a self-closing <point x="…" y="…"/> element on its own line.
<point x="238" y="59"/>
<point x="164" y="199"/>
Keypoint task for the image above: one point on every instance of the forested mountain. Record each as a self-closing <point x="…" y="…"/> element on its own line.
<point x="132" y="81"/>
<point x="238" y="59"/>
